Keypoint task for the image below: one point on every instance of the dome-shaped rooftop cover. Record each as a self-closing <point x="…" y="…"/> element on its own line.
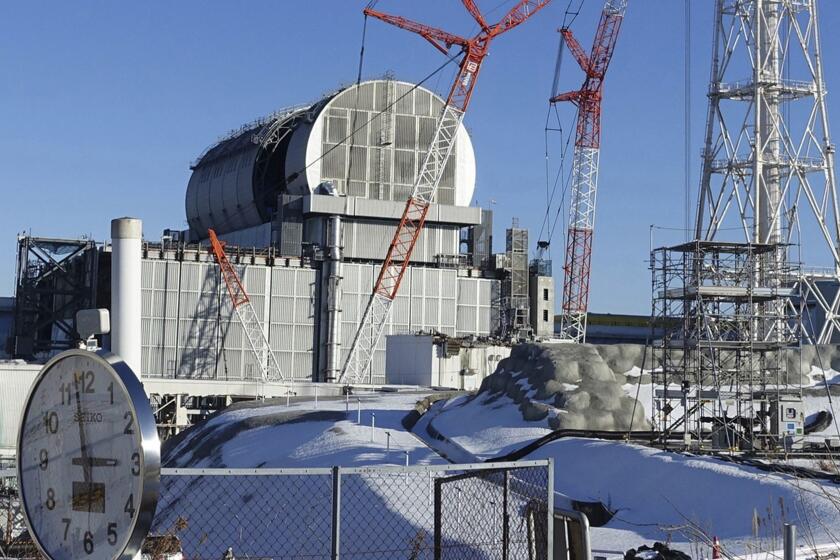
<point x="235" y="184"/>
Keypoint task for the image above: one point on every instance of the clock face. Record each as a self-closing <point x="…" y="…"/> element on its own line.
<point x="83" y="458"/>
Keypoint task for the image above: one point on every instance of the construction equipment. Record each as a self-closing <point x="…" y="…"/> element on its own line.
<point x="584" y="185"/>
<point x="423" y="194"/>
<point x="241" y="303"/>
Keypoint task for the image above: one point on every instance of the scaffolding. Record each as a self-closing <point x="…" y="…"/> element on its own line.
<point x="516" y="322"/>
<point x="729" y="317"/>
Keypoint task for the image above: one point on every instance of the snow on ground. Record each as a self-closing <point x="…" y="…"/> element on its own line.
<point x="654" y="493"/>
<point x="657" y="495"/>
<point x="301" y="435"/>
<point x="290" y="515"/>
<point x="485" y="426"/>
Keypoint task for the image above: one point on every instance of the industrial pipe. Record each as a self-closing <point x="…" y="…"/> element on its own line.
<point x="126" y="236"/>
<point x="334" y="264"/>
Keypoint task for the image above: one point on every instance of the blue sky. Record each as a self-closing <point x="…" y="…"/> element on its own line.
<point x="104" y="104"/>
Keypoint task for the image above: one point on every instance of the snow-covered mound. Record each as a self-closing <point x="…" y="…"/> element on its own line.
<point x="655" y="495"/>
<point x="289" y="516"/>
<point x="266" y="435"/>
<point x="667" y="491"/>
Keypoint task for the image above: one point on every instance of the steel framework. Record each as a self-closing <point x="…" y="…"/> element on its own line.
<point x="55" y="279"/>
<point x="585" y="165"/>
<point x="241" y="303"/>
<point x="767" y="142"/>
<point x="721" y="360"/>
<point x="423" y="194"/>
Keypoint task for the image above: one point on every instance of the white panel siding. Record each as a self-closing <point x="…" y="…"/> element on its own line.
<point x="292" y="328"/>
<point x="475" y="313"/>
<point x="190" y="330"/>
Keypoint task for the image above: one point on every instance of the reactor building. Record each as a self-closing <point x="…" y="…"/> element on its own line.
<point x="307" y="200"/>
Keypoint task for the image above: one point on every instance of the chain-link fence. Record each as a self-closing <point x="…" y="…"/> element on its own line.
<point x="12" y="524"/>
<point x="482" y="511"/>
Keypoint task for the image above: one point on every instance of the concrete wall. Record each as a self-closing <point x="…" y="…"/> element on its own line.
<point x="541" y="295"/>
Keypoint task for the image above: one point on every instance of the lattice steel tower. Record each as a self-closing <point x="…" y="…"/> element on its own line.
<point x="768" y="159"/>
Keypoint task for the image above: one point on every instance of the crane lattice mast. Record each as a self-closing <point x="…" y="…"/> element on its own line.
<point x="241" y="303"/>
<point x="584" y="186"/>
<point x="425" y="188"/>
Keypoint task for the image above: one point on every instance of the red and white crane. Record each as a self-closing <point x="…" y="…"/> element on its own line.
<point x="241" y="303"/>
<point x="414" y="216"/>
<point x="584" y="186"/>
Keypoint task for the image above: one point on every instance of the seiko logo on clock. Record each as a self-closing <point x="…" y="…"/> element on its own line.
<point x="87" y="417"/>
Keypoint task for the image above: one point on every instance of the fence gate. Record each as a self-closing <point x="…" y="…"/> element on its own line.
<point x="499" y="513"/>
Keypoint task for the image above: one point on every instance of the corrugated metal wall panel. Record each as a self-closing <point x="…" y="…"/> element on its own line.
<point x="160" y="286"/>
<point x="370" y="240"/>
<point x="292" y="329"/>
<point x="198" y="320"/>
<point x="476" y="306"/>
<point x="467" y="318"/>
<point x="186" y="332"/>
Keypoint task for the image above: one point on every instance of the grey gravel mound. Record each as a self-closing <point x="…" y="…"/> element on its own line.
<point x="574" y="378"/>
<point x="797" y="364"/>
<point x="584" y="381"/>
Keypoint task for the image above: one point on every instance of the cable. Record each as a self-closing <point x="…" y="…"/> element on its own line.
<point x="687" y="147"/>
<point x="356" y="104"/>
<point x="566" y="21"/>
<point x="558" y="64"/>
<point x="564" y="151"/>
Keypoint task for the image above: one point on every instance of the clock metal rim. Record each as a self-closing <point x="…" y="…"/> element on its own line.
<point x="149" y="446"/>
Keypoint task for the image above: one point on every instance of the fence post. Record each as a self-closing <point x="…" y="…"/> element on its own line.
<point x="505" y="523"/>
<point x="336" y="512"/>
<point x="790" y="541"/>
<point x="438" y="525"/>
<point x="550" y="510"/>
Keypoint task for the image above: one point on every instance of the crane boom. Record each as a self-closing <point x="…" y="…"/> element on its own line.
<point x="241" y="302"/>
<point x="425" y="187"/>
<point x="585" y="165"/>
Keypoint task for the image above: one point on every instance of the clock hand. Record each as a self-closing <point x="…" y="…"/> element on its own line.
<point x="86" y="466"/>
<point x="95" y="462"/>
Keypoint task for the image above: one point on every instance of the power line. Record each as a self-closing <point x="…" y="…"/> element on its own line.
<point x="687" y="116"/>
